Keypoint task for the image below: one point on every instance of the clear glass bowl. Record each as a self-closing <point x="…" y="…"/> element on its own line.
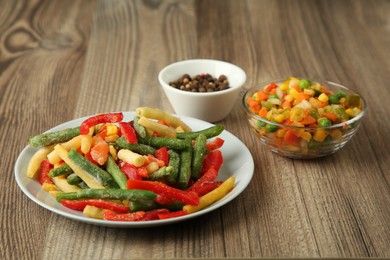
<point x="302" y="148"/>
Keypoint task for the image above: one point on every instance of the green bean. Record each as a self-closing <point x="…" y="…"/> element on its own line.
<point x="170" y="143"/>
<point x="99" y="174"/>
<point x="147" y="205"/>
<point x="161" y="174"/>
<point x="73" y="179"/>
<point x="174" y="161"/>
<point x="185" y="168"/>
<point x="136" y="147"/>
<point x="140" y="129"/>
<point x="197" y="158"/>
<point x="208" y="132"/>
<point x="59" y="171"/>
<point x="118" y="194"/>
<point x="113" y="169"/>
<point x="54" y="137"/>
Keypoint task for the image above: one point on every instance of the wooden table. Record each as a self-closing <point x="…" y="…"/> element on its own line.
<point x="61" y="60"/>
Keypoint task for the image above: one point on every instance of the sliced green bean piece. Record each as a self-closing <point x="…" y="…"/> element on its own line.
<point x="136" y="147"/>
<point x="139" y="129"/>
<point x="170" y="143"/>
<point x="54" y="137"/>
<point x="59" y="171"/>
<point x="161" y="174"/>
<point x="185" y="168"/>
<point x="99" y="174"/>
<point x="174" y="161"/>
<point x="118" y="194"/>
<point x="113" y="169"/>
<point x="197" y="158"/>
<point x="73" y="179"/>
<point x="208" y="132"/>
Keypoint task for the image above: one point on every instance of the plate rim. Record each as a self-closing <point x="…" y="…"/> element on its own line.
<point x="129" y="115"/>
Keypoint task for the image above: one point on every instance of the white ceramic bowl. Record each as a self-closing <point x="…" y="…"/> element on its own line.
<point x="207" y="106"/>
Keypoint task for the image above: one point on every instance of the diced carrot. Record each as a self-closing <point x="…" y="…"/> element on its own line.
<point x="287" y="104"/>
<point x="263" y="112"/>
<point x="301" y="96"/>
<point x="308" y="120"/>
<point x="253" y="105"/>
<point x="262" y="96"/>
<point x="99" y="152"/>
<point x="330" y="115"/>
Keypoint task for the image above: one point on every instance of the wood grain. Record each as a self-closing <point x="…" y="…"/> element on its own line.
<point x="61" y="60"/>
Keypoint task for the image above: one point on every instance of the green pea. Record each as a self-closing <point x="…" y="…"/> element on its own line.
<point x="271" y="128"/>
<point x="304" y="83"/>
<point x="324" y="122"/>
<point x="261" y="123"/>
<point x="341" y="94"/>
<point x="333" y="99"/>
<point x="273" y="96"/>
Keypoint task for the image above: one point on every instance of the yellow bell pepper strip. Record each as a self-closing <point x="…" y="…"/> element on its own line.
<point x="212" y="196"/>
<point x="187" y="197"/>
<point x="100" y="203"/>
<point x="36" y="160"/>
<point x="99" y="119"/>
<point x="113" y="216"/>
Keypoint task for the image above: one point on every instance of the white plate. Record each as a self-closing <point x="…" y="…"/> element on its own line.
<point x="238" y="161"/>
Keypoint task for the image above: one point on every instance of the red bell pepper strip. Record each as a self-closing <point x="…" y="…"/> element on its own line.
<point x="210" y="175"/>
<point x="133" y="216"/>
<point x="130" y="171"/>
<point x="104" y="204"/>
<point x="215" y="144"/>
<point x="163" y="200"/>
<point x="99" y="119"/>
<point x="207" y="186"/>
<point x="153" y="214"/>
<point x="174" y="214"/>
<point x="128" y="132"/>
<point x="44" y="170"/>
<point x="187" y="197"/>
<point x="162" y="154"/>
<point x="213" y="159"/>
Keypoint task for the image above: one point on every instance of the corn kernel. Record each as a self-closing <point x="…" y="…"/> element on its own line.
<point x="293" y="93"/>
<point x="296" y="114"/>
<point x="283" y="86"/>
<point x="309" y="92"/>
<point x="336" y="134"/>
<point x="323" y="98"/>
<point x="281" y="132"/>
<point x="279" y="118"/>
<point x="320" y="134"/>
<point x="304" y="135"/>
<point x="111" y="138"/>
<point x="112" y="129"/>
<point x="352" y="112"/>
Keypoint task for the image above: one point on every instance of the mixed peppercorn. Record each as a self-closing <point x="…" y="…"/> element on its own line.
<point x="201" y="83"/>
